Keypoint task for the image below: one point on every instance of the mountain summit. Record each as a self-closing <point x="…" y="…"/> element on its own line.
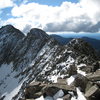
<point x="9" y="29"/>
<point x="38" y="33"/>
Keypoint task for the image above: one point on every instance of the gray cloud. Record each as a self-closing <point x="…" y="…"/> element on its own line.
<point x="95" y="28"/>
<point x="66" y="27"/>
<point x="27" y="28"/>
<point x="82" y="24"/>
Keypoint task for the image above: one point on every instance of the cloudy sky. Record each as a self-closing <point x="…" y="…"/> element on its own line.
<point x="57" y="16"/>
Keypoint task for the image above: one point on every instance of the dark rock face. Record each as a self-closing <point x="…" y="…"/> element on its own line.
<point x="18" y="48"/>
<point x="28" y="48"/>
<point x="9" y="37"/>
<point x="38" y="33"/>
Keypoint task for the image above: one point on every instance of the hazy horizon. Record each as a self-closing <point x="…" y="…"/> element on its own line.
<point x="79" y="35"/>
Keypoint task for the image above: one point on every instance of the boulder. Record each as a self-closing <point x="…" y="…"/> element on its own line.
<point x="92" y="92"/>
<point x="81" y="81"/>
<point x="34" y="83"/>
<point x="37" y="95"/>
<point x="50" y="90"/>
<point x="91" y="68"/>
<point x="36" y="89"/>
<point x="61" y="81"/>
<point x="33" y="90"/>
<point x="64" y="86"/>
<point x="88" y="86"/>
<point x="72" y="70"/>
<point x="94" y="76"/>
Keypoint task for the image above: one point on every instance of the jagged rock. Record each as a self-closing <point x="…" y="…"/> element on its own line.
<point x="88" y="85"/>
<point x="37" y="95"/>
<point x="50" y="90"/>
<point x="36" y="89"/>
<point x="64" y="86"/>
<point x="93" y="93"/>
<point x="81" y="81"/>
<point x="61" y="81"/>
<point x="34" y="84"/>
<point x="82" y="46"/>
<point x="72" y="70"/>
<point x="88" y="69"/>
<point x="94" y="76"/>
<point x="33" y="90"/>
<point x="38" y="33"/>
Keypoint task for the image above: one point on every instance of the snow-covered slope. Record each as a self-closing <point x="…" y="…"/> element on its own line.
<point x="38" y="57"/>
<point x="16" y="54"/>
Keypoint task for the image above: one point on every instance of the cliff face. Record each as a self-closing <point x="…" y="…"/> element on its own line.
<point x="38" y="57"/>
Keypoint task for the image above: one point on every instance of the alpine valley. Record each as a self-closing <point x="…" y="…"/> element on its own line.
<point x="38" y="67"/>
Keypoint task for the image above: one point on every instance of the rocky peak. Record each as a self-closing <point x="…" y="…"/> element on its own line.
<point x="82" y="47"/>
<point x="9" y="38"/>
<point x="78" y="41"/>
<point x="38" y="33"/>
<point x="9" y="29"/>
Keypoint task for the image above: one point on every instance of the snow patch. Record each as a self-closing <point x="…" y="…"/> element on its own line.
<point x="9" y="96"/>
<point x="81" y="72"/>
<point x="5" y="70"/>
<point x="81" y="65"/>
<point x="59" y="99"/>
<point x="71" y="79"/>
<point x="53" y="78"/>
<point x="80" y="96"/>
<point x="70" y="60"/>
<point x="41" y="98"/>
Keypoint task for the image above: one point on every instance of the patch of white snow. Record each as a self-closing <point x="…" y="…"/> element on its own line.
<point x="71" y="79"/>
<point x="80" y="96"/>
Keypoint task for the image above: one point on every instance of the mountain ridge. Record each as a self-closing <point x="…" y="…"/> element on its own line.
<point x="40" y="59"/>
<point x="63" y="41"/>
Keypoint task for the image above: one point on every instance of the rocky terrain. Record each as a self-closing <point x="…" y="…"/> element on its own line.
<point x="64" y="40"/>
<point x="37" y="67"/>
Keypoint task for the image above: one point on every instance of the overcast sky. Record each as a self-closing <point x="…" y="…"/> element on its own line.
<point x="77" y="16"/>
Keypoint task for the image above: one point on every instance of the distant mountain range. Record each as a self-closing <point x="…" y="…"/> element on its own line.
<point x="63" y="41"/>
